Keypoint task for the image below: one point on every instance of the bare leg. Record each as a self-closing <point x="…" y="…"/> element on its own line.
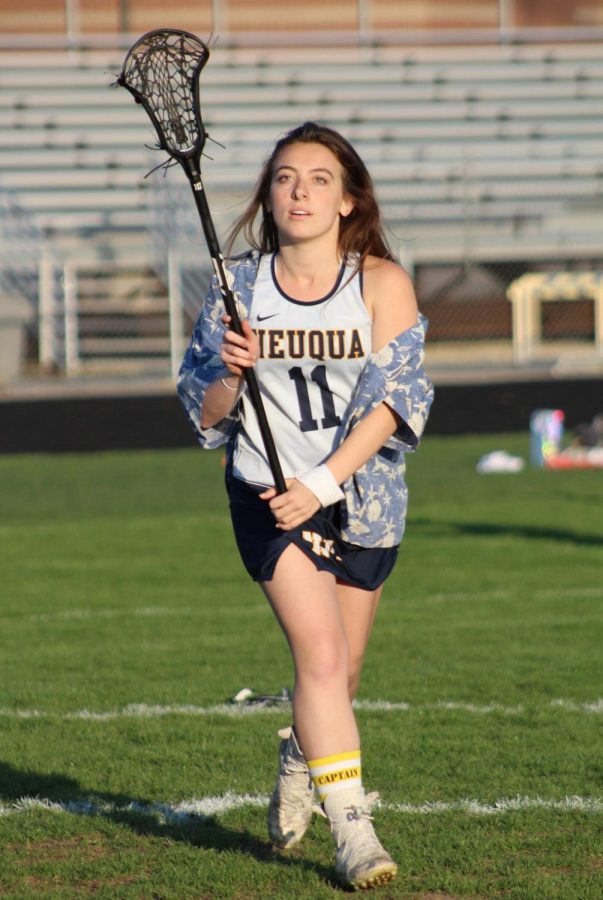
<point x="327" y="625"/>
<point x="358" y="610"/>
<point x="306" y="604"/>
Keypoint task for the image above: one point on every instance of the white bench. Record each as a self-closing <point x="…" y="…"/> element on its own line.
<point x="527" y="293"/>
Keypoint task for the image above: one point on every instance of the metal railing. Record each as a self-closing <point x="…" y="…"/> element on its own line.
<point x="515" y="22"/>
<point x="88" y="320"/>
<point x="467" y="301"/>
<point x="19" y="249"/>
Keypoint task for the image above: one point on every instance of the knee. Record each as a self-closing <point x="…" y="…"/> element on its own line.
<point x="325" y="660"/>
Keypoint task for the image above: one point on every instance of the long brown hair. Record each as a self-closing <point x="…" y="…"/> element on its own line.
<point x="360" y="232"/>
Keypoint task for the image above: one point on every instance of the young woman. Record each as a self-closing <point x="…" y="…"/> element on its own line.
<point x="331" y="326"/>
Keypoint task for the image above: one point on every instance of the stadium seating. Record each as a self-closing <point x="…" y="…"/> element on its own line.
<point x="495" y="147"/>
<point x="512" y="135"/>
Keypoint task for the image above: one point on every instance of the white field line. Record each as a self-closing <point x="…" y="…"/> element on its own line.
<point x="175" y="611"/>
<point x="152" y="711"/>
<point x="502" y="594"/>
<point x="389" y="706"/>
<point x="189" y="811"/>
<point x="74" y="614"/>
<point x="505" y="805"/>
<point x="596" y="707"/>
<point x="67" y="615"/>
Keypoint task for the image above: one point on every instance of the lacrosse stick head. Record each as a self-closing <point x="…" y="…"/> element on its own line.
<point x="161" y="70"/>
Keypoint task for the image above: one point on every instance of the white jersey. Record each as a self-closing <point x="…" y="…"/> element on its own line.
<point x="311" y="356"/>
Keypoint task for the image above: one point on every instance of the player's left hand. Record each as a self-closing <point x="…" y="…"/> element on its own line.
<point x="293" y="507"/>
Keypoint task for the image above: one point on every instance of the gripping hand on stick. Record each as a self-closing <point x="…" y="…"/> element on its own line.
<point x="239" y="352"/>
<point x="293" y="507"/>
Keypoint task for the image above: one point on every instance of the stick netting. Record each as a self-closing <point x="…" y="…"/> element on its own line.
<point x="162" y="71"/>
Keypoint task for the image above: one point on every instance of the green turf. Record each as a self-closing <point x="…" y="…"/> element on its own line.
<point x="121" y="585"/>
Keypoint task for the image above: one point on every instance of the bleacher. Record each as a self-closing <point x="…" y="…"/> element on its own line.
<point x="493" y="151"/>
<point x="512" y="137"/>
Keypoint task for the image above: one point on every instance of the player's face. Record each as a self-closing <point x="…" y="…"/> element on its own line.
<point x="307" y="196"/>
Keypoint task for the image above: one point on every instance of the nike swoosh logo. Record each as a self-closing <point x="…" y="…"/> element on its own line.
<point x="263" y="318"/>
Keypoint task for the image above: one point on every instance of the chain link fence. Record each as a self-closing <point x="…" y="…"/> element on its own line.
<point x="463" y="278"/>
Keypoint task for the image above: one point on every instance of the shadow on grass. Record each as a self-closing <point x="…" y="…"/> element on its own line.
<point x="488" y="529"/>
<point x="143" y="817"/>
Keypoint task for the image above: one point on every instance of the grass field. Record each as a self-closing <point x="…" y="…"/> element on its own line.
<point x="127" y="620"/>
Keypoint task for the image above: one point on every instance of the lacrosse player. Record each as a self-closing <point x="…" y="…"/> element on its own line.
<point x="331" y="326"/>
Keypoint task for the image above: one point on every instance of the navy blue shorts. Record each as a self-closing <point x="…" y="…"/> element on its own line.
<point x="261" y="543"/>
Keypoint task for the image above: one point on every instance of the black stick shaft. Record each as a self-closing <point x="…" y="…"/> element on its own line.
<point x="194" y="177"/>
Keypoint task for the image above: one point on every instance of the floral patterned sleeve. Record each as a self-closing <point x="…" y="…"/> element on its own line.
<point x="376" y="496"/>
<point x="395" y="376"/>
<point x="201" y="366"/>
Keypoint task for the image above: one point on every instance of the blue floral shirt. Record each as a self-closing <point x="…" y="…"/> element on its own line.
<point x="376" y="496"/>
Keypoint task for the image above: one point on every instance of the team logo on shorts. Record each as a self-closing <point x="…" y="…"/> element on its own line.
<point x="321" y="546"/>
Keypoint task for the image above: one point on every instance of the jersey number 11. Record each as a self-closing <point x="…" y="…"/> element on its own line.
<point x="318" y="375"/>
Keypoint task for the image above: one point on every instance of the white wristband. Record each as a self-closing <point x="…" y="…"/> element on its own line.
<point x="321" y="482"/>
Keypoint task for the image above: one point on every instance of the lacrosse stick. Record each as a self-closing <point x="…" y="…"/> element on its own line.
<point x="161" y="70"/>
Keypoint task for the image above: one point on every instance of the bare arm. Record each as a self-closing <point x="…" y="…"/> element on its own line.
<point x="237" y="353"/>
<point x="390" y="299"/>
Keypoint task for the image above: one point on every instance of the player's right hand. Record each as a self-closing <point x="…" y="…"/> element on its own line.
<point x="292" y="508"/>
<point x="239" y="352"/>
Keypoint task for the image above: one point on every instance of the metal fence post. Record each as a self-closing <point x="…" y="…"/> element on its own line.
<point x="47" y="349"/>
<point x="364" y="18"/>
<point x="70" y="312"/>
<point x="217" y="17"/>
<point x="73" y="24"/>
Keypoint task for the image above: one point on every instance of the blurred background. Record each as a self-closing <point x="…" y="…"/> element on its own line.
<point x="481" y="122"/>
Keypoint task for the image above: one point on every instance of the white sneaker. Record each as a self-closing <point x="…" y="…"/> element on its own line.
<point x="292" y="802"/>
<point x="361" y="862"/>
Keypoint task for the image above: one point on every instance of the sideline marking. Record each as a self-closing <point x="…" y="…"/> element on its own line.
<point x="502" y="594"/>
<point x="505" y="805"/>
<point x="391" y="706"/>
<point x="151" y="711"/>
<point x="188" y="811"/>
<point x="67" y="614"/>
<point x="570" y="706"/>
